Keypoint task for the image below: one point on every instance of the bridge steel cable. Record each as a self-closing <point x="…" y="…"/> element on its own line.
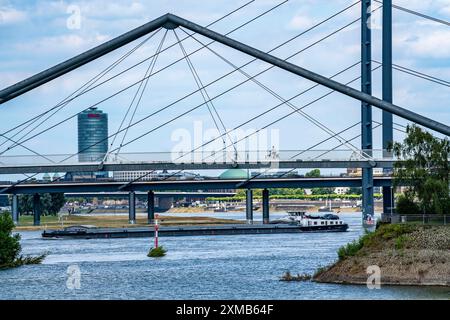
<point x="304" y="106"/>
<point x="233" y="30"/>
<point x="160" y="70"/>
<point x="241" y="83"/>
<point x="418" y="74"/>
<point x="203" y="92"/>
<point x="137" y="64"/>
<point x="288" y="103"/>
<point x="63" y="103"/>
<point x="312" y="76"/>
<point x="329" y="138"/>
<point x="212" y="23"/>
<point x="419" y="14"/>
<point x="328" y="151"/>
<point x="324" y="140"/>
<point x="212" y="82"/>
<point x="11" y="91"/>
<point x="315" y="77"/>
<point x="142" y="85"/>
<point x="256" y="117"/>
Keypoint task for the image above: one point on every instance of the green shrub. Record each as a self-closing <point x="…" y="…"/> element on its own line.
<point x="401" y="241"/>
<point x="10" y="248"/>
<point x="405" y="205"/>
<point x="350" y="249"/>
<point x="157" y="252"/>
<point x="299" y="277"/>
<point x="392" y="231"/>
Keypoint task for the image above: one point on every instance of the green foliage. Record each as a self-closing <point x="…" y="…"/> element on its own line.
<point x="286" y="191"/>
<point x="287" y="276"/>
<point x="406" y="205"/>
<point x="57" y="201"/>
<point x="383" y="233"/>
<point x="157" y="252"/>
<point x="392" y="231"/>
<point x="239" y="197"/>
<point x="401" y="241"/>
<point x="354" y="190"/>
<point x="424" y="169"/>
<point x="25" y="203"/>
<point x="350" y="249"/>
<point x="50" y="203"/>
<point x="315" y="173"/>
<point x="323" y="191"/>
<point x="10" y="246"/>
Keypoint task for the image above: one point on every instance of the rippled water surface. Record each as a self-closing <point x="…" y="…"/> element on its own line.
<point x="203" y="267"/>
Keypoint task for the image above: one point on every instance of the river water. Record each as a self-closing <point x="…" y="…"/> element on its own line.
<point x="202" y="267"/>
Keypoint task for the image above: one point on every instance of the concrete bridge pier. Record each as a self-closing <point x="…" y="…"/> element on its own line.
<point x="150" y="207"/>
<point x="15" y="208"/>
<point x="265" y="206"/>
<point x="37" y="209"/>
<point x="132" y="208"/>
<point x="249" y="206"/>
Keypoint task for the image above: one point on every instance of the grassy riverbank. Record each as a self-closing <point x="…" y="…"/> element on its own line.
<point x="406" y="254"/>
<point x="52" y="222"/>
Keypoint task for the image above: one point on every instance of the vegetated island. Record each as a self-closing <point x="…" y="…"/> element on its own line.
<point x="407" y="254"/>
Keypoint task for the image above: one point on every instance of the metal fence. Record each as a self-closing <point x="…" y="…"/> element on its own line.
<point x="438" y="219"/>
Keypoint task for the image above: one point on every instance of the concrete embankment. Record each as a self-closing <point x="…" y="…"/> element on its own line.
<point x="406" y="255"/>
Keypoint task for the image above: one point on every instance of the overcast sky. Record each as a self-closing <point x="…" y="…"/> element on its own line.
<point x="35" y="35"/>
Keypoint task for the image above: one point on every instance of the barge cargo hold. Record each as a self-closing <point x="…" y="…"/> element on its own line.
<point x="85" y="232"/>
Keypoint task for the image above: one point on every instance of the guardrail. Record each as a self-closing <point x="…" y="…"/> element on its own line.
<point x="421" y="218"/>
<point x="205" y="156"/>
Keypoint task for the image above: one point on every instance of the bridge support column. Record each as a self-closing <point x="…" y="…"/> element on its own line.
<point x="387" y="123"/>
<point x="249" y="206"/>
<point x="132" y="208"/>
<point x="265" y="206"/>
<point x="150" y="207"/>
<point x="36" y="209"/>
<point x="366" y="109"/>
<point x="15" y="208"/>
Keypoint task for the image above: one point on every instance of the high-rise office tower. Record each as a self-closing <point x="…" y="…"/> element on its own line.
<point x="92" y="135"/>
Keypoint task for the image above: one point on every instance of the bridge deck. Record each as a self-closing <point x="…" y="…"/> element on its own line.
<point x="192" y="185"/>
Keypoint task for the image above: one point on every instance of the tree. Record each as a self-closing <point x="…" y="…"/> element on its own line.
<point x="424" y="170"/>
<point x="324" y="191"/>
<point x="10" y="245"/>
<point x="25" y="203"/>
<point x="354" y="190"/>
<point x="50" y="203"/>
<point x="57" y="202"/>
<point x="315" y="173"/>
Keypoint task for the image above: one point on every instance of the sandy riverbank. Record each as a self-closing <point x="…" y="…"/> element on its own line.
<point x="114" y="221"/>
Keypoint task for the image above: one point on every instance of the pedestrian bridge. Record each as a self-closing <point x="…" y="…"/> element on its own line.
<point x="284" y="159"/>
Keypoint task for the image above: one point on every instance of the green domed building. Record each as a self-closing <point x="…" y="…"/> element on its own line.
<point x="234" y="174"/>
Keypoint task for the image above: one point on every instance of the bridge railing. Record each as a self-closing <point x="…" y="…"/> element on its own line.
<point x="430" y="219"/>
<point x="206" y="156"/>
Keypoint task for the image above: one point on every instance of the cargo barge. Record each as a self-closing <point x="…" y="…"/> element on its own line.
<point x="90" y="232"/>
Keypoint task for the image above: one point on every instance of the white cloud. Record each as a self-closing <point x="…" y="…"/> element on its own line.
<point x="301" y="22"/>
<point x="11" y="16"/>
<point x="70" y="43"/>
<point x="433" y="44"/>
<point x="112" y="10"/>
<point x="446" y="10"/>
